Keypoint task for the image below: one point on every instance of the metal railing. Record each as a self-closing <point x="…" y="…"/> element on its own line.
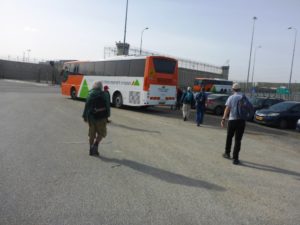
<point x="182" y="63"/>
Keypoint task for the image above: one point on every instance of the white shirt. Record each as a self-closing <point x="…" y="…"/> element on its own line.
<point x="231" y="103"/>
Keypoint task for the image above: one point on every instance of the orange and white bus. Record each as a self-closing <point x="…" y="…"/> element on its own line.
<point x="132" y="80"/>
<point x="212" y="85"/>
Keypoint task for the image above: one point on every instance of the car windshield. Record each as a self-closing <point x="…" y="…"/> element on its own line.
<point x="256" y="101"/>
<point x="282" y="106"/>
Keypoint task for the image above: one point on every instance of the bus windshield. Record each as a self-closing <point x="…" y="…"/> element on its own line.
<point x="164" y="65"/>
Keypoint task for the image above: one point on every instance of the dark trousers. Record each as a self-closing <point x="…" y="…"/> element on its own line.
<point x="199" y="114"/>
<point x="235" y="128"/>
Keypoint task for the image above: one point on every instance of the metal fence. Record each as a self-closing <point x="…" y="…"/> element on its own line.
<point x="182" y="63"/>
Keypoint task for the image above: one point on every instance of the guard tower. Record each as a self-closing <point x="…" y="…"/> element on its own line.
<point x="122" y="49"/>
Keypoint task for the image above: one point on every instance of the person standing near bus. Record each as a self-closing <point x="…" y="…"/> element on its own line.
<point x="200" y="106"/>
<point x="96" y="112"/>
<point x="178" y="99"/>
<point x="187" y="100"/>
<point x="107" y="96"/>
<point x="235" y="126"/>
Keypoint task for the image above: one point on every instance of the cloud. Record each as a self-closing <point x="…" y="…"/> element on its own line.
<point x="30" y="29"/>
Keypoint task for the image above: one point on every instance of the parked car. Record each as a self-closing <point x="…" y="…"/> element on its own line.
<point x="283" y="115"/>
<point x="298" y="125"/>
<point x="263" y="103"/>
<point x="216" y="103"/>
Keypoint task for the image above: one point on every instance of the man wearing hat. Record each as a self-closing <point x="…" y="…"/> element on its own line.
<point x="235" y="126"/>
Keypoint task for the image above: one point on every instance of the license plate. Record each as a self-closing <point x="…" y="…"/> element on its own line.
<point x="259" y="118"/>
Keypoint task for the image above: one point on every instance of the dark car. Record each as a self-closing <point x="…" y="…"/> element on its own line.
<point x="263" y="102"/>
<point x="216" y="103"/>
<point x="283" y="115"/>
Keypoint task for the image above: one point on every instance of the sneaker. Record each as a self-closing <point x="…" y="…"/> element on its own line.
<point x="236" y="162"/>
<point x="96" y="152"/>
<point x="226" y="155"/>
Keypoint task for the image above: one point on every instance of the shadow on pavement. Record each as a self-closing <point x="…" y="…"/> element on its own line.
<point x="164" y="175"/>
<point x="270" y="168"/>
<point x="133" y="128"/>
<point x="213" y="121"/>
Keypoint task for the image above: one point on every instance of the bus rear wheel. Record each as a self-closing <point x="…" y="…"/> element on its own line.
<point x="118" y="100"/>
<point x="73" y="93"/>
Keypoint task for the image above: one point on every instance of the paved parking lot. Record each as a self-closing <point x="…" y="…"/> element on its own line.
<point x="154" y="167"/>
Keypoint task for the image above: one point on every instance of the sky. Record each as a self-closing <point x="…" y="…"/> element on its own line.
<point x="216" y="32"/>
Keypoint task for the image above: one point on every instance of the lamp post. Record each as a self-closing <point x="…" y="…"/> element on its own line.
<point x="124" y="42"/>
<point x="289" y="87"/>
<point x="146" y="28"/>
<point x="257" y="47"/>
<point x="254" y="18"/>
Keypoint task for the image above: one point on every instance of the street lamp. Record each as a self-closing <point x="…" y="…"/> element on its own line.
<point x="146" y="28"/>
<point x="28" y="51"/>
<point x="257" y="47"/>
<point x="289" y="87"/>
<point x="254" y="18"/>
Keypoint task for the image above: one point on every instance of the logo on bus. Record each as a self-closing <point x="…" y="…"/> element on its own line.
<point x="135" y="83"/>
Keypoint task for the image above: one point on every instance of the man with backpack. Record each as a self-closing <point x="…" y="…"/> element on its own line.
<point x="237" y="107"/>
<point x="187" y="100"/>
<point x="200" y="106"/>
<point x="96" y="112"/>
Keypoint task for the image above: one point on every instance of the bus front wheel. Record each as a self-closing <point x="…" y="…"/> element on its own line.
<point x="118" y="100"/>
<point x="73" y="93"/>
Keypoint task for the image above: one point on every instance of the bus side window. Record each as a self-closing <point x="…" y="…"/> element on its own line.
<point x="99" y="68"/>
<point x="82" y="69"/>
<point x="137" y="67"/>
<point x="110" y="67"/>
<point x="75" y="68"/>
<point x="123" y="68"/>
<point x="86" y="68"/>
<point x="71" y="68"/>
<point x="91" y="68"/>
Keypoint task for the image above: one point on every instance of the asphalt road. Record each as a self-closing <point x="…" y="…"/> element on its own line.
<point x="154" y="167"/>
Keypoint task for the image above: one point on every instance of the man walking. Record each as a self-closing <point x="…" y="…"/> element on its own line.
<point x="96" y="112"/>
<point x="187" y="100"/>
<point x="200" y="106"/>
<point x="236" y="126"/>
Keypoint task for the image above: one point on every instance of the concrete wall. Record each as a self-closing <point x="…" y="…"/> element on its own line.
<point x="50" y="74"/>
<point x="29" y="71"/>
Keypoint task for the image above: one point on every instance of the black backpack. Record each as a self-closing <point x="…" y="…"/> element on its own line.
<point x="200" y="98"/>
<point x="98" y="106"/>
<point x="245" y="109"/>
